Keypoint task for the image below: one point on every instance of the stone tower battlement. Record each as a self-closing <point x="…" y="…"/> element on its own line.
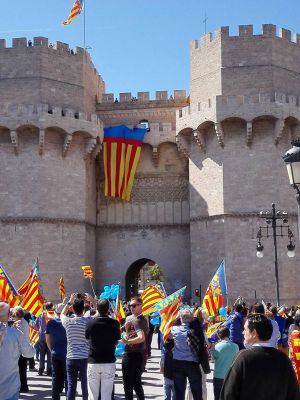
<point x="48" y="73"/>
<point x="246" y="64"/>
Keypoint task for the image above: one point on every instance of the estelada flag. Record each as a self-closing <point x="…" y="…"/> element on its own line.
<point x="87" y="271"/>
<point x="121" y="153"/>
<point x="75" y="11"/>
<point x="150" y="296"/>
<point x="62" y="290"/>
<point x="217" y="289"/>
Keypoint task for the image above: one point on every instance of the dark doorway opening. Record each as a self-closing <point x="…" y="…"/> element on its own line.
<point x="132" y="278"/>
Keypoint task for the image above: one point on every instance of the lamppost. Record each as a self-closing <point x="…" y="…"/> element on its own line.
<point x="292" y="161"/>
<point x="274" y="229"/>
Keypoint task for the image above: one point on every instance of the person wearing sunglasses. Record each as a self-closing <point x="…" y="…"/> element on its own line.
<point x="135" y="339"/>
<point x="260" y="372"/>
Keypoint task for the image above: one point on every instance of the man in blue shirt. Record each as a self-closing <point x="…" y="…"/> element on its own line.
<point x="56" y="340"/>
<point x="185" y="362"/>
<point x="236" y="327"/>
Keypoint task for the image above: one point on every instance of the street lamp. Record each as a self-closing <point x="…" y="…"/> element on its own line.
<point x="274" y="229"/>
<point x="292" y="161"/>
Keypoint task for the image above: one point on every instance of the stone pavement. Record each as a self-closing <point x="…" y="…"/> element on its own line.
<point x="40" y="386"/>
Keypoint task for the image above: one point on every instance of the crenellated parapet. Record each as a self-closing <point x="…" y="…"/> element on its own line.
<point x="283" y="108"/>
<point x="247" y="31"/>
<point x="158" y="114"/>
<point x="143" y="97"/>
<point x="42" y="117"/>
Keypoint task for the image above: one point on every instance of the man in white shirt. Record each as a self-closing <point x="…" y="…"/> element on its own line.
<point x="13" y="344"/>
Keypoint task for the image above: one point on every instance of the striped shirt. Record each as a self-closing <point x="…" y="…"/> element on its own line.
<point x="78" y="346"/>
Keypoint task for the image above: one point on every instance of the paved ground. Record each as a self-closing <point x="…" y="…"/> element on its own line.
<point x="40" y="386"/>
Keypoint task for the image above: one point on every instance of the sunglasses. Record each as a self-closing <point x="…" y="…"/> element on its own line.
<point x="134" y="305"/>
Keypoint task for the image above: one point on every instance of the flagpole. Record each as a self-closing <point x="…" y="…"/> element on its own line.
<point x="84" y="26"/>
<point x="92" y="287"/>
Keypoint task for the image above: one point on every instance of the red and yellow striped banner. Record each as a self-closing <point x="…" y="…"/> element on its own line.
<point x="33" y="300"/>
<point x="87" y="271"/>
<point x="150" y="296"/>
<point x="211" y="302"/>
<point x="75" y="11"/>
<point x="169" y="315"/>
<point x="62" y="290"/>
<point x="33" y="336"/>
<point x="121" y="154"/>
<point x="294" y="345"/>
<point x="6" y="294"/>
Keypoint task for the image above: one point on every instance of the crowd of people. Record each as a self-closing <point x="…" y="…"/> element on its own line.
<point x="255" y="352"/>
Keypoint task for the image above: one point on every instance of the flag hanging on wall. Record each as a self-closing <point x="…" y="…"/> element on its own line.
<point x="75" y="11"/>
<point x="121" y="153"/>
<point x="213" y="299"/>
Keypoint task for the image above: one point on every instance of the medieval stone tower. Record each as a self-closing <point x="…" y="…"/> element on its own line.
<point x="48" y="139"/>
<point x="209" y="164"/>
<point x="243" y="112"/>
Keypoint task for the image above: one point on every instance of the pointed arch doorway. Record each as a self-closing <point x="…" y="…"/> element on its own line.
<point x="138" y="276"/>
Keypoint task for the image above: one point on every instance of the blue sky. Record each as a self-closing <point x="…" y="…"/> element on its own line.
<point x="141" y="45"/>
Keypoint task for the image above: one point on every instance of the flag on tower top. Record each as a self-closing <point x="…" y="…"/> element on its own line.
<point x="75" y="11"/>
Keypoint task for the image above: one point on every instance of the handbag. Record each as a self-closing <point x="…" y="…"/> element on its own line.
<point x="193" y="342"/>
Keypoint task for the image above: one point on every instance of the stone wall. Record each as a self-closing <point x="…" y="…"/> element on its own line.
<point x="48" y="73"/>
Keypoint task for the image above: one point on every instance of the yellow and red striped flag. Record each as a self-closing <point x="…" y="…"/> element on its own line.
<point x="6" y="293"/>
<point x="33" y="336"/>
<point x="33" y="299"/>
<point x="119" y="310"/>
<point x="75" y="11"/>
<point x="150" y="296"/>
<point x="121" y="153"/>
<point x="87" y="271"/>
<point x="62" y="290"/>
<point x="24" y="287"/>
<point x="169" y="315"/>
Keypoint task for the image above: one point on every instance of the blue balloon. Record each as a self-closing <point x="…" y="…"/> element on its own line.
<point x="106" y="288"/>
<point x="223" y="312"/>
<point x="154" y="321"/>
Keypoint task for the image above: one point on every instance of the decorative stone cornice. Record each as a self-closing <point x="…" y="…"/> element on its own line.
<point x="14" y="140"/>
<point x="249" y="133"/>
<point x="117" y="227"/>
<point x="41" y="141"/>
<point x="67" y="142"/>
<point x="219" y="133"/>
<point x="245" y="214"/>
<point x="199" y="137"/>
<point x="44" y="220"/>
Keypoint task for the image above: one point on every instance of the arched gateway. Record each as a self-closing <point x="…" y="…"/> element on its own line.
<point x="138" y="276"/>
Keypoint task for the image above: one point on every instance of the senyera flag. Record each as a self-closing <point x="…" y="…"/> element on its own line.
<point x="169" y="315"/>
<point x="75" y="11"/>
<point x="62" y="290"/>
<point x="217" y="289"/>
<point x="150" y="296"/>
<point x="6" y="294"/>
<point x="87" y="271"/>
<point x="121" y="154"/>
